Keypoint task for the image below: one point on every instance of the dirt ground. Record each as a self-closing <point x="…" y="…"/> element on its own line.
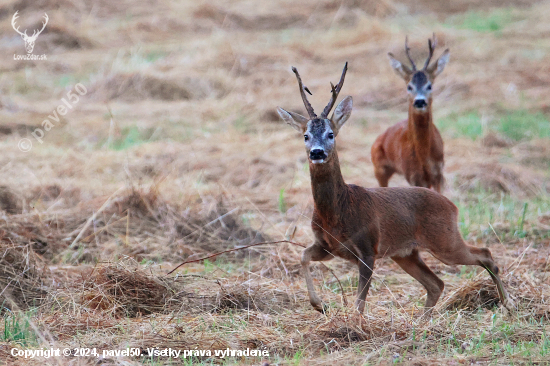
<point x="173" y="151"/>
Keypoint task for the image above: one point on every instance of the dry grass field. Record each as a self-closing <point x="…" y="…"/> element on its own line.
<point x="174" y="152"/>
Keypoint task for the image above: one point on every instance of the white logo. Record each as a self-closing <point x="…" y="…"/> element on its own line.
<point x="29" y="40"/>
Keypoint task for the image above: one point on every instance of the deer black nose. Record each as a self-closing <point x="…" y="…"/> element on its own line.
<point x="420" y="103"/>
<point x="317" y="154"/>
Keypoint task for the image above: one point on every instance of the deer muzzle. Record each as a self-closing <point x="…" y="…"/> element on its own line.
<point x="420" y="103"/>
<point x="317" y="156"/>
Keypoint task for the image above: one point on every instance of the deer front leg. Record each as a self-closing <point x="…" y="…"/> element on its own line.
<point x="366" y="266"/>
<point x="437" y="186"/>
<point x="438" y="179"/>
<point x="315" y="253"/>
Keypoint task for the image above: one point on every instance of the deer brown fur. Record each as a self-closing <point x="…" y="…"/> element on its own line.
<point x="413" y="147"/>
<point x="362" y="225"/>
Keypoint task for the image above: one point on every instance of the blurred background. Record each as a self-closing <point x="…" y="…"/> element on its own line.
<point x="177" y="127"/>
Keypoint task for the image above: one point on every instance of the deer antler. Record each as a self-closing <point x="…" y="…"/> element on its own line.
<point x="431" y="47"/>
<point x="407" y="49"/>
<point x="308" y="106"/>
<point x="43" y="26"/>
<point x="13" y="19"/>
<point x="335" y="92"/>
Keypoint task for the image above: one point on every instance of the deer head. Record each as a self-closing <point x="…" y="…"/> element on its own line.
<point x="419" y="82"/>
<point x="29" y="40"/>
<point x="319" y="132"/>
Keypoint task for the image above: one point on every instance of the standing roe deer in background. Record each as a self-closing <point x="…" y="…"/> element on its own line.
<point x="413" y="147"/>
<point x="361" y="225"/>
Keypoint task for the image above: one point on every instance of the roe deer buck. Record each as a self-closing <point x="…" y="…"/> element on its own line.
<point x="413" y="147"/>
<point x="362" y="225"/>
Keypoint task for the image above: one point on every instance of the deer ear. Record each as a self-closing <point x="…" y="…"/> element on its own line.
<point x="437" y="67"/>
<point x="342" y="113"/>
<point x="399" y="68"/>
<point x="296" y="120"/>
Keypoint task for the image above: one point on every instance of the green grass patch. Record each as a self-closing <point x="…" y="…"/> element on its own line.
<point x="522" y="124"/>
<point x="482" y="214"/>
<point x="129" y="137"/>
<point x="17" y="328"/>
<point x="225" y="265"/>
<point x="349" y="284"/>
<point x="493" y="21"/>
<point x="456" y="125"/>
<point x="516" y="125"/>
<point x="281" y="201"/>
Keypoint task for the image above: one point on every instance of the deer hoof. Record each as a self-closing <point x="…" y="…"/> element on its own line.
<point x="359" y="306"/>
<point x="509" y="304"/>
<point x="426" y="315"/>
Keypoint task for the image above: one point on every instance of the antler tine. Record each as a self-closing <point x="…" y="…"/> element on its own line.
<point x="407" y="49"/>
<point x="335" y="92"/>
<point x="43" y="24"/>
<point x="431" y="47"/>
<point x="13" y="19"/>
<point x="308" y="106"/>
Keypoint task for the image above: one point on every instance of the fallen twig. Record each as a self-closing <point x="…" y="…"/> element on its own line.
<point x="92" y="218"/>
<point x="263" y="243"/>
<point x="235" y="249"/>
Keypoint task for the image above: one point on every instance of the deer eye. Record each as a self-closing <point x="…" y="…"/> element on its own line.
<point x="331" y="135"/>
<point x="429" y="87"/>
<point x="409" y="88"/>
<point x="306" y="137"/>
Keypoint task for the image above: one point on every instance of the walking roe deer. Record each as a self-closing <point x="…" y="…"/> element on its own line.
<point x="362" y="225"/>
<point x="413" y="147"/>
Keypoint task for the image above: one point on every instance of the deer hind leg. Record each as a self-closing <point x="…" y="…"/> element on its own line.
<point x="415" y="266"/>
<point x="383" y="174"/>
<point x="418" y="179"/>
<point x="314" y="253"/>
<point x="366" y="266"/>
<point x="382" y="170"/>
<point x="438" y="181"/>
<point x="438" y="184"/>
<point x="468" y="255"/>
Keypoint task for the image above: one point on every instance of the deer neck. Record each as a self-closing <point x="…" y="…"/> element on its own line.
<point x="328" y="186"/>
<point x="420" y="129"/>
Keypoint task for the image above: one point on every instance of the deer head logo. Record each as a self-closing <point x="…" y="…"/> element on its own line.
<point x="29" y="40"/>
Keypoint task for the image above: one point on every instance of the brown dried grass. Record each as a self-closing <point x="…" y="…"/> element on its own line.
<point x="125" y="289"/>
<point x="57" y="36"/>
<point x="499" y="178"/>
<point x="155" y="226"/>
<point x="220" y="155"/>
<point x="206" y="225"/>
<point x="135" y="87"/>
<point x="462" y="6"/>
<point x="480" y="293"/>
<point x="101" y="8"/>
<point x="9" y="202"/>
<point x="23" y="277"/>
<point x="223" y="18"/>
